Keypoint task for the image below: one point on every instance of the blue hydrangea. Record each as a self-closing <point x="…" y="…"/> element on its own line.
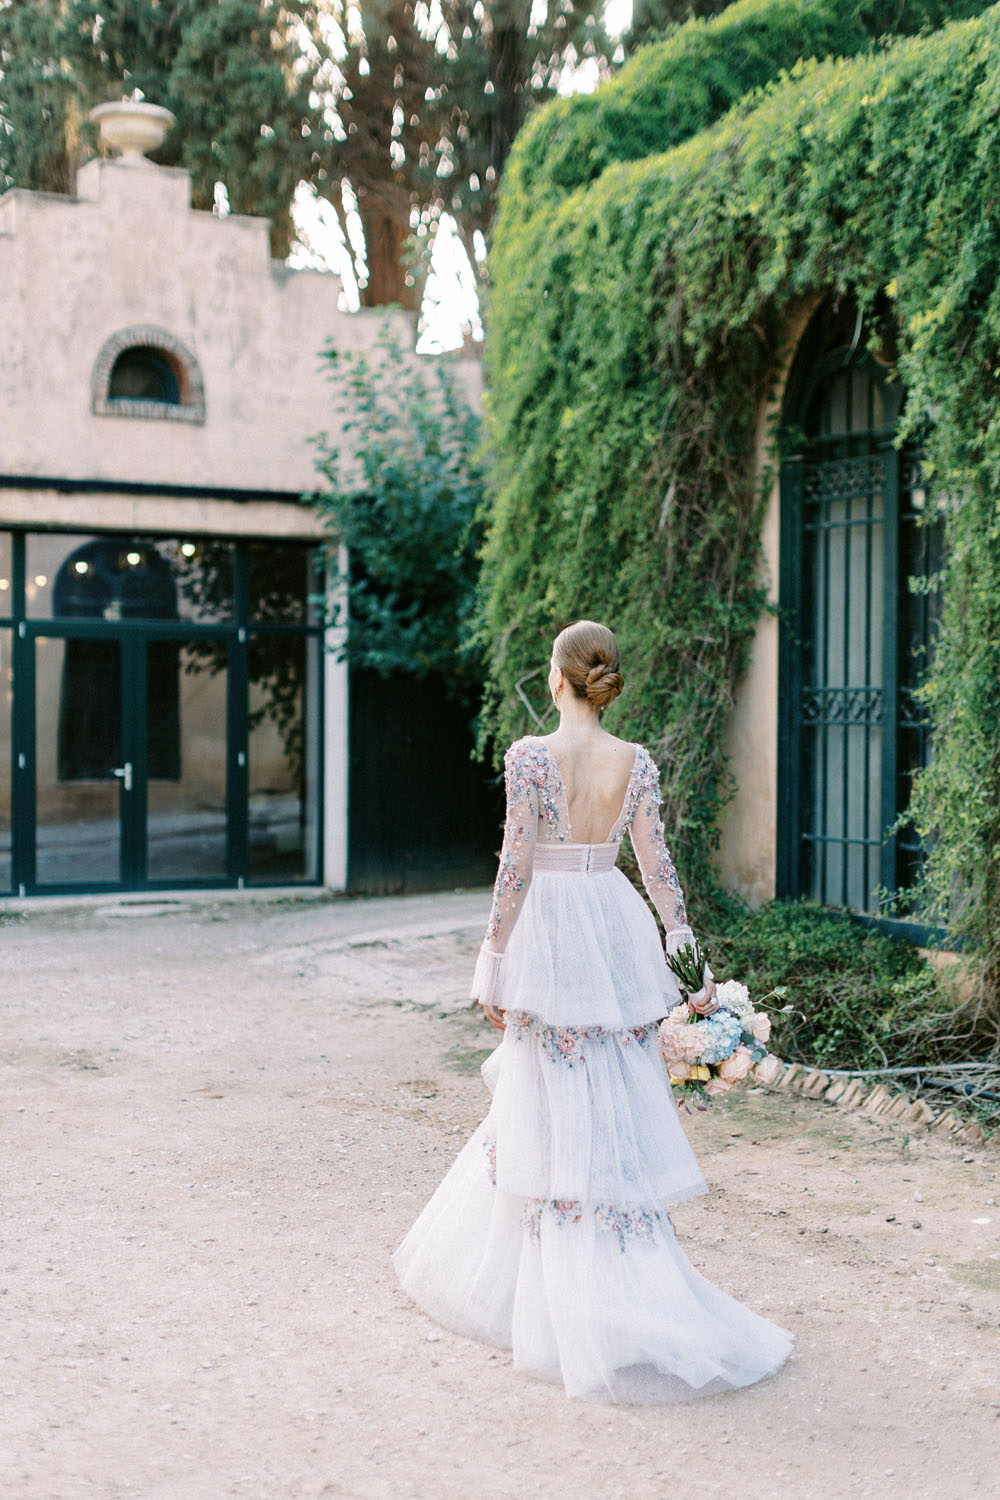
<point x="721" y="1034"/>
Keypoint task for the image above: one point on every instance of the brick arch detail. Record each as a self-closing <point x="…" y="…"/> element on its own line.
<point x="148" y="336"/>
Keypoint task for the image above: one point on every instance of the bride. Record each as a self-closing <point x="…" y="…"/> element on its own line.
<point x="550" y="1234"/>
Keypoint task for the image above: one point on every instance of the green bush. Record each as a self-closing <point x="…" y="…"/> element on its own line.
<point x="861" y="999"/>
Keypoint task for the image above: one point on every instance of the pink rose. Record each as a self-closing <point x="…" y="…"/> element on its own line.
<point x="716" y="1087"/>
<point x="671" y="1042"/>
<point x="736" y="1067"/>
<point x="692" y="1043"/>
<point x="680" y="1069"/>
<point x="762" y="1026"/>
<point x="768" y="1070"/>
<point x="680" y="1014"/>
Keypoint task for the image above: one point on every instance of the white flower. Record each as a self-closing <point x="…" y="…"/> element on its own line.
<point x="735" y="997"/>
<point x="762" y="1026"/>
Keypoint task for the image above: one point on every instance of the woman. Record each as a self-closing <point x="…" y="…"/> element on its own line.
<point x="549" y="1234"/>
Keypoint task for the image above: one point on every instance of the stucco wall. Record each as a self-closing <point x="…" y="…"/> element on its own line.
<point x="130" y="251"/>
<point x="749" y="828"/>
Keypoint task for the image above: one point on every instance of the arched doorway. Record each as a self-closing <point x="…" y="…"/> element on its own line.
<point x="855" y="638"/>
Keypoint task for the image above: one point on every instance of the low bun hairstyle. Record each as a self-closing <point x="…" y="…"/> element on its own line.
<point x="587" y="655"/>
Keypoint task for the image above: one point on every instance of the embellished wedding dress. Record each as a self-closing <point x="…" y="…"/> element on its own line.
<point x="549" y="1234"/>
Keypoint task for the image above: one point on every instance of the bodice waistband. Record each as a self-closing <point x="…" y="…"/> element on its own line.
<point x="575" y="859"/>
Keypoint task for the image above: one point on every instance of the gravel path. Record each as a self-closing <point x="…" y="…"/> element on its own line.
<point x="220" y="1116"/>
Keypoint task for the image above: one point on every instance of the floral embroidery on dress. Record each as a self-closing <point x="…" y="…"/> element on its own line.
<point x="628" y="1223"/>
<point x="537" y="809"/>
<point x="564" y="1043"/>
<point x="624" y="1223"/>
<point x="563" y="1210"/>
<point x="520" y="827"/>
<point x="528" y="763"/>
<point x="509" y="881"/>
<point x="664" y="875"/>
<point x="490" y="1147"/>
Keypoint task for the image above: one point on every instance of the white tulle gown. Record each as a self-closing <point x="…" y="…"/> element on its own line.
<point x="550" y="1234"/>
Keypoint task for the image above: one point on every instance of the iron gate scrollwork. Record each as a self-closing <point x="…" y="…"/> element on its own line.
<point x="855" y="639"/>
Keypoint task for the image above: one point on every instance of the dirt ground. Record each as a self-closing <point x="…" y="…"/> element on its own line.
<point x="220" y="1116"/>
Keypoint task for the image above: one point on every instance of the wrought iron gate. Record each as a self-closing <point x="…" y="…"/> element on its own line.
<point x="855" y="639"/>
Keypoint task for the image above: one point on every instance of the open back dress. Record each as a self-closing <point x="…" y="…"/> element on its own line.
<point x="550" y="1234"/>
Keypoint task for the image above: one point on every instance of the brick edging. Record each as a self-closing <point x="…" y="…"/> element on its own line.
<point x="875" y="1099"/>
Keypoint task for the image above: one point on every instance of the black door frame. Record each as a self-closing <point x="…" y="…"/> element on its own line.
<point x="135" y="637"/>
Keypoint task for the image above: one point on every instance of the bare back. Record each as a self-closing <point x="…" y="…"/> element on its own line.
<point x="595" y="771"/>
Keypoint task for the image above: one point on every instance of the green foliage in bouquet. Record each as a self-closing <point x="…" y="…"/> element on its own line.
<point x="638" y="322"/>
<point x="859" y="999"/>
<point x="688" y="968"/>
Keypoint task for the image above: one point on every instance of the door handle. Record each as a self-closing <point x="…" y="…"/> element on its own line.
<point x="124" y="774"/>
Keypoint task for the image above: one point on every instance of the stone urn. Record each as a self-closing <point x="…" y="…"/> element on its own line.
<point x="132" y="129"/>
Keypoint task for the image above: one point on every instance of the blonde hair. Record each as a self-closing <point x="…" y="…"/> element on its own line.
<point x="587" y="653"/>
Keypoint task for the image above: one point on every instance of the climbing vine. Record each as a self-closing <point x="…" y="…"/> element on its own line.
<point x="638" y="321"/>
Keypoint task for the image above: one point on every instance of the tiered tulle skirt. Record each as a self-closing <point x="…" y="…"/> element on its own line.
<point x="550" y="1234"/>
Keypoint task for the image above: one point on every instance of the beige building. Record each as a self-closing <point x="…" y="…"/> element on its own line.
<point x="171" y="713"/>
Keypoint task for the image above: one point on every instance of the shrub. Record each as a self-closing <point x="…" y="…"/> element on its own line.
<point x="862" y="999"/>
<point x="405" y="503"/>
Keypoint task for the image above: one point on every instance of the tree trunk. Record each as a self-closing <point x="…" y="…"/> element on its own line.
<point x="384" y="240"/>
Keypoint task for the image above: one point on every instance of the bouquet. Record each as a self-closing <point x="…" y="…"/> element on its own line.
<point x="709" y="1045"/>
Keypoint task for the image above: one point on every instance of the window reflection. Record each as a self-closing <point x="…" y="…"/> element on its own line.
<point x="186" y="828"/>
<point x="77" y="816"/>
<point x="283" y="770"/>
<point x="129" y="578"/>
<point x="111" y="579"/>
<point x="284" y="582"/>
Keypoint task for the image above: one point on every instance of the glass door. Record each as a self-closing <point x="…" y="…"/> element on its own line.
<point x="131" y="750"/>
<point x="183" y="762"/>
<point x="83" y="773"/>
<point x="161" y="713"/>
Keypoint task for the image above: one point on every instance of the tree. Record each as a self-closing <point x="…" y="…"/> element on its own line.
<point x="428" y="113"/>
<point x="235" y="73"/>
<point x="411" y="115"/>
<point x="407" y="509"/>
<point x="35" y="95"/>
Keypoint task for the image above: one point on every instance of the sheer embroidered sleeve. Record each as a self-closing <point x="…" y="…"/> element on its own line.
<point x="658" y="874"/>
<point x="514" y="873"/>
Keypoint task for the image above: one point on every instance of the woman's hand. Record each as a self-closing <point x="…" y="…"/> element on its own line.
<point x="495" y="1016"/>
<point x="704" y="1002"/>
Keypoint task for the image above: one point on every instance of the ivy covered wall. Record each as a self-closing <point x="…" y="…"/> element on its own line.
<point x="671" y="90"/>
<point x="636" y="326"/>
